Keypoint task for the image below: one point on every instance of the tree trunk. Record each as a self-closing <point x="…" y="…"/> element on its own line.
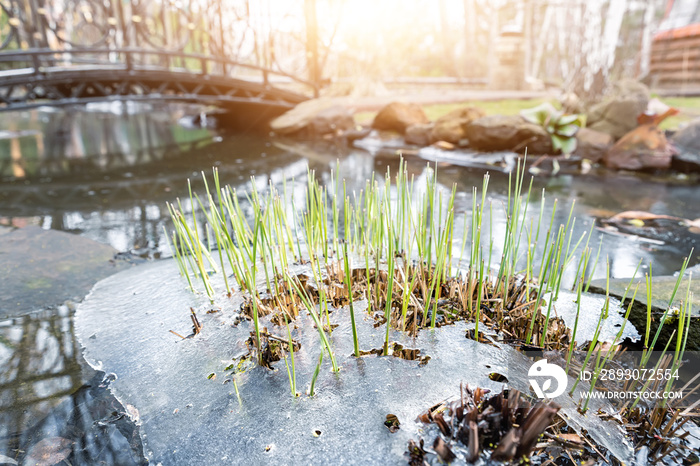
<point x="447" y="50"/>
<point x="645" y="49"/>
<point x="312" y="41"/>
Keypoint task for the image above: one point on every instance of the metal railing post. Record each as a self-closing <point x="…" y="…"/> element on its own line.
<point x="124" y="32"/>
<point x="36" y="63"/>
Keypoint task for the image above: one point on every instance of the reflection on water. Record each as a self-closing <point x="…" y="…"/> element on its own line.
<point x="127" y="208"/>
<point x="107" y="174"/>
<point x="51" y="400"/>
<point x="102" y="137"/>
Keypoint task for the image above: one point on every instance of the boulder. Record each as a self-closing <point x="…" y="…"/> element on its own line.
<point x="687" y="141"/>
<point x="617" y="114"/>
<point x="571" y="103"/>
<point x="397" y="116"/>
<point x="592" y="145"/>
<point x="645" y="147"/>
<point x="499" y="132"/>
<point x="443" y="145"/>
<point x="332" y="120"/>
<point x="318" y="116"/>
<point x="419" y="134"/>
<point x="359" y="132"/>
<point x="451" y="127"/>
<point x="300" y="116"/>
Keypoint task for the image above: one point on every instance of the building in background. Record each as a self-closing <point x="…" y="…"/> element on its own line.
<point x="675" y="52"/>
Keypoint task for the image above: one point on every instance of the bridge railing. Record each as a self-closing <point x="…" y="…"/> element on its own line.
<point x="38" y="62"/>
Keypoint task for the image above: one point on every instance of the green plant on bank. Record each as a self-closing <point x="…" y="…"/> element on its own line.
<point x="393" y="243"/>
<point x="562" y="128"/>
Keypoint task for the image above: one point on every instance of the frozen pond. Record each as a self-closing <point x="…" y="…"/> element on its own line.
<point x="107" y="177"/>
<point x="188" y="416"/>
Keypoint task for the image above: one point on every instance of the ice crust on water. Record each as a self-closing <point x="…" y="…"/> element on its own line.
<point x="189" y="419"/>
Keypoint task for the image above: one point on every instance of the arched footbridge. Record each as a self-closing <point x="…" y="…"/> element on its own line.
<point x="73" y="52"/>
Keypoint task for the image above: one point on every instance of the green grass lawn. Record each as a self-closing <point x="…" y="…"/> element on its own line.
<point x="491" y="107"/>
<point x="689" y="109"/>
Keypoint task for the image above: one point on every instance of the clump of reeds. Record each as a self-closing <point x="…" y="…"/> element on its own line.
<point x="400" y="244"/>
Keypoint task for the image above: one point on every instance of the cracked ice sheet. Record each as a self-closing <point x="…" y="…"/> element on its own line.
<point x="591" y="308"/>
<point x="188" y="419"/>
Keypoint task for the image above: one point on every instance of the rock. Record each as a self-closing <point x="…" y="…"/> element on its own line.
<point x="356" y="133"/>
<point x="300" y="116"/>
<point x="320" y="116"/>
<point x="592" y="144"/>
<point x="642" y="148"/>
<point x="686" y="161"/>
<point x="689" y="137"/>
<point x="451" y="127"/>
<point x="656" y="107"/>
<point x="687" y="141"/>
<point x="450" y="131"/>
<point x="332" y="120"/>
<point x="443" y="145"/>
<point x="617" y="114"/>
<point x="419" y="134"/>
<point x="616" y="118"/>
<point x="499" y="132"/>
<point x="397" y="116"/>
<point x="662" y="290"/>
<point x="571" y="103"/>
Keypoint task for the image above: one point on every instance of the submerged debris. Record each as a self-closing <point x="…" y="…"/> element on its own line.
<point x="49" y="451"/>
<point x="398" y="351"/>
<point x="196" y="326"/>
<point x="657" y="229"/>
<point x="272" y="348"/>
<point x="392" y="423"/>
<point x="416" y="453"/>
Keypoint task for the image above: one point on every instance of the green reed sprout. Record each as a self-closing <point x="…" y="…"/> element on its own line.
<point x="312" y="392"/>
<point x="291" y="368"/>
<point x="348" y="285"/>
